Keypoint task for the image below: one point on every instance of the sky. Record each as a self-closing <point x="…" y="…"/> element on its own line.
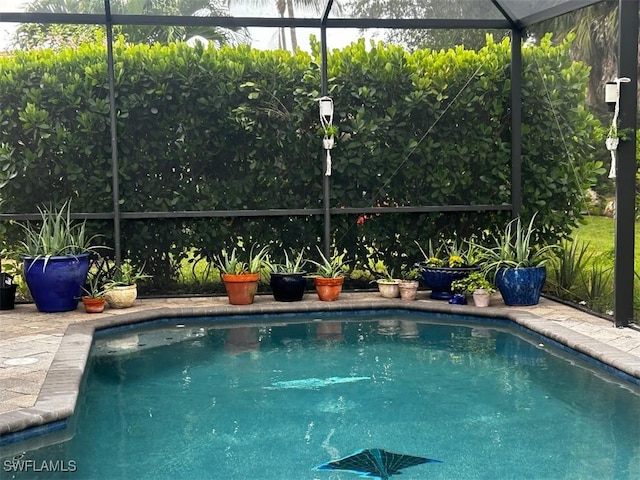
<point x="263" y="38"/>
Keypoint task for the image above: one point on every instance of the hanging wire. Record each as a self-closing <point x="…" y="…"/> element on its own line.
<point x="378" y="194"/>
<point x="570" y="157"/>
<point x="406" y="158"/>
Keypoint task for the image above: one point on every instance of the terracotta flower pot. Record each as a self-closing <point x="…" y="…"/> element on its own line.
<point x="328" y="288"/>
<point x="241" y="289"/>
<point x="93" y="305"/>
<point x="408" y="289"/>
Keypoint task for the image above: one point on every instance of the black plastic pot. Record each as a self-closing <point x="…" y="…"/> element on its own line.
<point x="8" y="297"/>
<point x="288" y="287"/>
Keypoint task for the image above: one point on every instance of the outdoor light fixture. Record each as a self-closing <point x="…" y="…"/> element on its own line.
<point x="326" y="120"/>
<point x="611" y="94"/>
<point x="326" y="109"/>
<point x="612" y="97"/>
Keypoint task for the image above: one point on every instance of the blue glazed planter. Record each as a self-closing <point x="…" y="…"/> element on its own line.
<point x="56" y="288"/>
<point x="521" y="286"/>
<point x="288" y="287"/>
<point x="439" y="279"/>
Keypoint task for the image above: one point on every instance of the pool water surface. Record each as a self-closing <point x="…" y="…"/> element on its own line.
<point x="274" y="401"/>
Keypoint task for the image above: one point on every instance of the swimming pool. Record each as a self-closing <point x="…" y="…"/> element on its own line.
<point x="264" y="400"/>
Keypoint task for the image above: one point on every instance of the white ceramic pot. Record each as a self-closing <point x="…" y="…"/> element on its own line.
<point x="481" y="298"/>
<point x="122" y="297"/>
<point x="389" y="288"/>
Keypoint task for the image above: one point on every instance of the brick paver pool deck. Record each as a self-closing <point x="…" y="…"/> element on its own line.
<point x="43" y="355"/>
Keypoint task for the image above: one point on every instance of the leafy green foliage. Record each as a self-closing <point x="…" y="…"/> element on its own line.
<point x="230" y="128"/>
<point x="472" y="282"/>
<point x="420" y="38"/>
<point x="126" y="274"/>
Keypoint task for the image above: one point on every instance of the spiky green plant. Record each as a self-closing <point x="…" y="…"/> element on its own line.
<point x="229" y="262"/>
<point x="256" y="261"/>
<point x="333" y="266"/>
<point x="451" y="254"/>
<point x="56" y="234"/>
<point x="95" y="286"/>
<point x="599" y="288"/>
<point x="126" y="274"/>
<point x="514" y="248"/>
<point x="567" y="269"/>
<point x="292" y="264"/>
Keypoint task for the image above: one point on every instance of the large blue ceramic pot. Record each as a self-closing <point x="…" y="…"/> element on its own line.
<point x="57" y="286"/>
<point x="288" y="287"/>
<point x="521" y="286"/>
<point x="439" y="279"/>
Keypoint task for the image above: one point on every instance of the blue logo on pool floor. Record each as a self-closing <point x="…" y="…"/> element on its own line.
<point x="375" y="463"/>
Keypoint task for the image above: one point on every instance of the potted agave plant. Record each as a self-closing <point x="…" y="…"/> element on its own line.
<point x="518" y="265"/>
<point x="288" y="280"/>
<point x="123" y="285"/>
<point x="55" y="255"/>
<point x="93" y="298"/>
<point x="329" y="276"/>
<point x="241" y="277"/>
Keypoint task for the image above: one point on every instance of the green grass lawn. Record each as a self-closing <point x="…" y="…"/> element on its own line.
<point x="599" y="233"/>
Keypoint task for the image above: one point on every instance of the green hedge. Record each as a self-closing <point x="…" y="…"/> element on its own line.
<point x="235" y="128"/>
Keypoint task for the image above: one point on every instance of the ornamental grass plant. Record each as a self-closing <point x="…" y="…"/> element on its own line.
<point x="294" y="264"/>
<point x="333" y="266"/>
<point x="515" y="248"/>
<point x="56" y="234"/>
<point x="229" y="262"/>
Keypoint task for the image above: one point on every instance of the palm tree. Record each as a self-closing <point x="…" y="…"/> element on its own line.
<point x="315" y="5"/>
<point x="286" y="8"/>
<point x="420" y="38"/>
<point x="166" y="34"/>
<point x="596" y="35"/>
<point x="55" y="36"/>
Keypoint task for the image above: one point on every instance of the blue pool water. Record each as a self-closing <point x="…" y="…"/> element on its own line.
<point x="204" y="401"/>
